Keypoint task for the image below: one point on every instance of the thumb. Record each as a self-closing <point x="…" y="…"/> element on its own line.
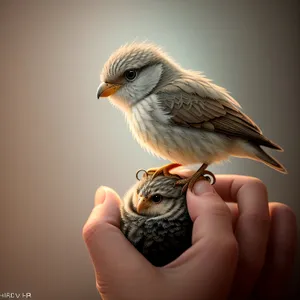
<point x="213" y="256"/>
<point x="111" y="252"/>
<point x="210" y="214"/>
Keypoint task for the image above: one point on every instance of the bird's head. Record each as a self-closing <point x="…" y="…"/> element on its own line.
<point x="158" y="196"/>
<point x="135" y="71"/>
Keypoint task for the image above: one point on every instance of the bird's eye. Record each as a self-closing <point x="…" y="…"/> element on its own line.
<point x="156" y="198"/>
<point x="130" y="75"/>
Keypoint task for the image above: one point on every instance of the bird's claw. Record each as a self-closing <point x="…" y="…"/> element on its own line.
<point x="137" y="174"/>
<point x="188" y="183"/>
<point x="208" y="175"/>
<point x="154" y="172"/>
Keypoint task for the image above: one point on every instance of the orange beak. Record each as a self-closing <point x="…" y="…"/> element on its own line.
<point x="143" y="203"/>
<point x="107" y="89"/>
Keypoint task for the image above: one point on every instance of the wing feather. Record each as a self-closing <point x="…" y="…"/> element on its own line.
<point x="185" y="106"/>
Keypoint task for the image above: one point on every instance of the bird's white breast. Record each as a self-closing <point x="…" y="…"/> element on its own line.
<point x="152" y="129"/>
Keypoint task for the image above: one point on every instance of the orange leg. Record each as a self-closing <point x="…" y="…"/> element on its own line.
<point x="202" y="173"/>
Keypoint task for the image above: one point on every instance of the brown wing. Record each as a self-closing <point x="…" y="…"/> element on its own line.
<point x="192" y="110"/>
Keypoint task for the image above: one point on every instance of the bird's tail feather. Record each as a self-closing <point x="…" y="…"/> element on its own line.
<point x="269" y="160"/>
<point x="270" y="144"/>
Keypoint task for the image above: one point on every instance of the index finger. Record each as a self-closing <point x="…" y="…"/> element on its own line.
<point x="252" y="227"/>
<point x="227" y="186"/>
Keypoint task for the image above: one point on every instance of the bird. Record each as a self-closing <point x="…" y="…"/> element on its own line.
<point x="155" y="219"/>
<point x="178" y="114"/>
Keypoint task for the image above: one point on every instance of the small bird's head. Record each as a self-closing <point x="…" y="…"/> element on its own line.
<point x="133" y="72"/>
<point x="155" y="218"/>
<point x="158" y="197"/>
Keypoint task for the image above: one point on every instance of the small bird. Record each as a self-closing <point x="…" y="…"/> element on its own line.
<point x="179" y="114"/>
<point x="155" y="219"/>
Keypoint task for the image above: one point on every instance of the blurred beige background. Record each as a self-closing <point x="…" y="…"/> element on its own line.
<point x="59" y="143"/>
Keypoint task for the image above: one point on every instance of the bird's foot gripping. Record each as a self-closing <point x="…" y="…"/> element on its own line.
<point x="201" y="174"/>
<point x="164" y="170"/>
<point x="154" y="172"/>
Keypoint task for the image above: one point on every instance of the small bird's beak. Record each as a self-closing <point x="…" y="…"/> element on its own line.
<point x="142" y="204"/>
<point x="107" y="89"/>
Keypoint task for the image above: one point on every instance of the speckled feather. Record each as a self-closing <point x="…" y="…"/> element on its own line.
<point x="161" y="236"/>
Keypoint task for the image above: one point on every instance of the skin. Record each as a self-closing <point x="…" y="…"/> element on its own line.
<point x="242" y="248"/>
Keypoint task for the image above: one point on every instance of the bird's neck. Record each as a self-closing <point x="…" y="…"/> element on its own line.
<point x="120" y="103"/>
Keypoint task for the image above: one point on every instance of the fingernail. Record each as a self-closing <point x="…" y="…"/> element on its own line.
<point x="203" y="186"/>
<point x="100" y="195"/>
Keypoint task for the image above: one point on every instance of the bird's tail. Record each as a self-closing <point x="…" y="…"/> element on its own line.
<point x="261" y="155"/>
<point x="268" y="143"/>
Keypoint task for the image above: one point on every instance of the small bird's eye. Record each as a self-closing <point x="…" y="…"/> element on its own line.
<point x="156" y="198"/>
<point x="130" y="75"/>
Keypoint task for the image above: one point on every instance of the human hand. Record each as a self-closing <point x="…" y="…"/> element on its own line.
<point x="208" y="269"/>
<point x="266" y="234"/>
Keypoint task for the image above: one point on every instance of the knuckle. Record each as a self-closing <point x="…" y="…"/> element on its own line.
<point x="221" y="210"/>
<point x="257" y="184"/>
<point x="92" y="224"/>
<point x="218" y="207"/>
<point x="255" y="220"/>
<point x="102" y="286"/>
<point x="285" y="209"/>
<point x="90" y="229"/>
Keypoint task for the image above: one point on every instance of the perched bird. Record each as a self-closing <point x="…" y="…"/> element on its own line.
<point x="179" y="114"/>
<point x="155" y="219"/>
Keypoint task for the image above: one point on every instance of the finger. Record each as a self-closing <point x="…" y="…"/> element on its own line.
<point x="214" y="252"/>
<point x="280" y="253"/>
<point x="110" y="251"/>
<point x="252" y="230"/>
<point x="208" y="211"/>
<point x="227" y="186"/>
<point x="101" y="194"/>
<point x="252" y="225"/>
<point x="223" y="184"/>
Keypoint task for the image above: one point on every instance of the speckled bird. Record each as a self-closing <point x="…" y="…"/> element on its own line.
<point x="179" y="114"/>
<point x="155" y="219"/>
